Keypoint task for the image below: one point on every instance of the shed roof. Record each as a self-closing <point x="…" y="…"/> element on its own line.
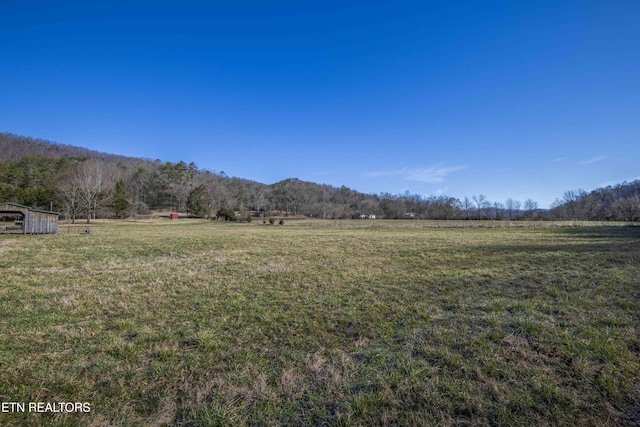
<point x="29" y="208"/>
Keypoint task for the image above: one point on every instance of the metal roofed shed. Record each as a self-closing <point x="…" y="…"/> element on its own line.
<point x="33" y="221"/>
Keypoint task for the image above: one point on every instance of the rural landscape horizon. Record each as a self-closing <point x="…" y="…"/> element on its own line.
<point x="82" y="183"/>
<point x="508" y="101"/>
<point x="319" y="213"/>
<point x="304" y="304"/>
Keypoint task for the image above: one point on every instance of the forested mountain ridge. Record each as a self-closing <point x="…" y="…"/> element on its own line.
<point x="83" y="183"/>
<point x="14" y="147"/>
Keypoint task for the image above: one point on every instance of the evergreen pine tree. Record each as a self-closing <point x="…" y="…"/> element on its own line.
<point x="120" y="202"/>
<point x="198" y="201"/>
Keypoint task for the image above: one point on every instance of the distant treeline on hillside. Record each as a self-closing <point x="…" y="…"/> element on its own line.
<point x="82" y="183"/>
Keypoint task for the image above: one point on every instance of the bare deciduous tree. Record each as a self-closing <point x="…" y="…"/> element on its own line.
<point x="570" y="199"/>
<point x="629" y="207"/>
<point x="529" y="207"/>
<point x="70" y="196"/>
<point x="482" y="205"/>
<point x="87" y="187"/>
<point x="498" y="210"/>
<point x="467" y="206"/>
<point x="512" y="206"/>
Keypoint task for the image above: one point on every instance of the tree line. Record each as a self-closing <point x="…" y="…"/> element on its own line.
<point x="620" y="202"/>
<point x="85" y="184"/>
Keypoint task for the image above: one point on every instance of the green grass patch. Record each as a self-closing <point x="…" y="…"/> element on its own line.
<point x="322" y="322"/>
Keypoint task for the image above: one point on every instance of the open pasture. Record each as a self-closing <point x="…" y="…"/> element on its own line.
<point x="322" y="323"/>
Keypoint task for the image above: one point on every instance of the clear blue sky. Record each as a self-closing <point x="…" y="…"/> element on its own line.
<point x="502" y="98"/>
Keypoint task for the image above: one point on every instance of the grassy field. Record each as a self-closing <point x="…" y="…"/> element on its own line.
<point x="322" y="323"/>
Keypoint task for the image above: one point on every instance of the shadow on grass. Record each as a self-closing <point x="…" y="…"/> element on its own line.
<point x="624" y="241"/>
<point x="618" y="233"/>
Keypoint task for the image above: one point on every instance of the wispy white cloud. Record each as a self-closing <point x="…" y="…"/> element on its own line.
<point x="559" y="159"/>
<point x="387" y="173"/>
<point x="432" y="174"/>
<point x="594" y="160"/>
<point x="441" y="191"/>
